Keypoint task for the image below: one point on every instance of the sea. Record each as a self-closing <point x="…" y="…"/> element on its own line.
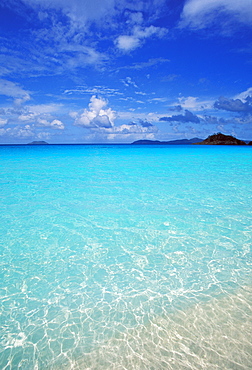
<point x="125" y="257"/>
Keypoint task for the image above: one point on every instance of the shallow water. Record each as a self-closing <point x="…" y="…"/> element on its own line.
<point x="126" y="257"/>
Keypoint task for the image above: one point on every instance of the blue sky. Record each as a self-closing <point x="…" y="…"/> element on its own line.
<point x="115" y="71"/>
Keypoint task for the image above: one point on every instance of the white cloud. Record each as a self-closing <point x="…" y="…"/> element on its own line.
<point x="43" y="135"/>
<point x="14" y="91"/>
<point x="84" y="56"/>
<point x="27" y="117"/>
<point x="97" y="90"/>
<point x="55" y="124"/>
<point x="73" y="115"/>
<point x="63" y="40"/>
<point x="53" y="46"/>
<point x="129" y="116"/>
<point x="193" y="103"/>
<point x="150" y="63"/>
<point x="146" y="32"/>
<point x="131" y="129"/>
<point x="3" y="122"/>
<point x="44" y="108"/>
<point x="198" y="14"/>
<point x="23" y="133"/>
<point x="243" y="95"/>
<point x="190" y="102"/>
<point x="244" y="120"/>
<point x="124" y="133"/>
<point x="135" y="18"/>
<point x="18" y="132"/>
<point x="100" y="121"/>
<point x="160" y="100"/>
<point x="81" y="12"/>
<point x="129" y="82"/>
<point x="40" y="115"/>
<point x="96" y="115"/>
<point x="77" y="10"/>
<point x="4" y="131"/>
<point x="128" y="43"/>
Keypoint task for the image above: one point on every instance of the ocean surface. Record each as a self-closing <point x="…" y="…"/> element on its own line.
<point x="125" y="257"/>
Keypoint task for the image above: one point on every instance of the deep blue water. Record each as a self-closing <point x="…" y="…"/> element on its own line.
<point x="126" y="257"/>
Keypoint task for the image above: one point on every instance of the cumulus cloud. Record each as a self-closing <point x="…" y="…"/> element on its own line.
<point x="198" y="14"/>
<point x="24" y="133"/>
<point x="132" y="128"/>
<point x="18" y="132"/>
<point x="127" y="132"/>
<point x="128" y="43"/>
<point x="14" y="91"/>
<point x="100" y="121"/>
<point x="96" y="115"/>
<point x="27" y="117"/>
<point x="55" y="124"/>
<point x="234" y="105"/>
<point x="40" y="116"/>
<point x="187" y="117"/>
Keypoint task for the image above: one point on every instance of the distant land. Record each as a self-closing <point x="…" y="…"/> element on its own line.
<point x="38" y="143"/>
<point x="172" y="142"/>
<point x="215" y="139"/>
<point x="221" y="139"/>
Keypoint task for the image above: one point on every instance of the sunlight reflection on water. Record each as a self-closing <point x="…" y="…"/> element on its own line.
<point x="126" y="258"/>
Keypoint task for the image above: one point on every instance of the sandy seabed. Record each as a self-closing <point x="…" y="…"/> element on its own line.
<point x="216" y="334"/>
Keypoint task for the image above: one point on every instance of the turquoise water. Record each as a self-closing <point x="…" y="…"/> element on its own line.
<point x="126" y="257"/>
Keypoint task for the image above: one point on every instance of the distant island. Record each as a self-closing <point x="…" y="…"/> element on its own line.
<point x="215" y="139"/>
<point x="221" y="139"/>
<point x="38" y="143"/>
<point x="172" y="142"/>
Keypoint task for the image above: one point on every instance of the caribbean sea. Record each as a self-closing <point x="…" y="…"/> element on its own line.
<point x="125" y="257"/>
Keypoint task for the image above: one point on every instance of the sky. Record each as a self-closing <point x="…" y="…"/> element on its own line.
<point x="116" y="71"/>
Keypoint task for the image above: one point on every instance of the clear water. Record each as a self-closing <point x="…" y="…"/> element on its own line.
<point x="126" y="257"/>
